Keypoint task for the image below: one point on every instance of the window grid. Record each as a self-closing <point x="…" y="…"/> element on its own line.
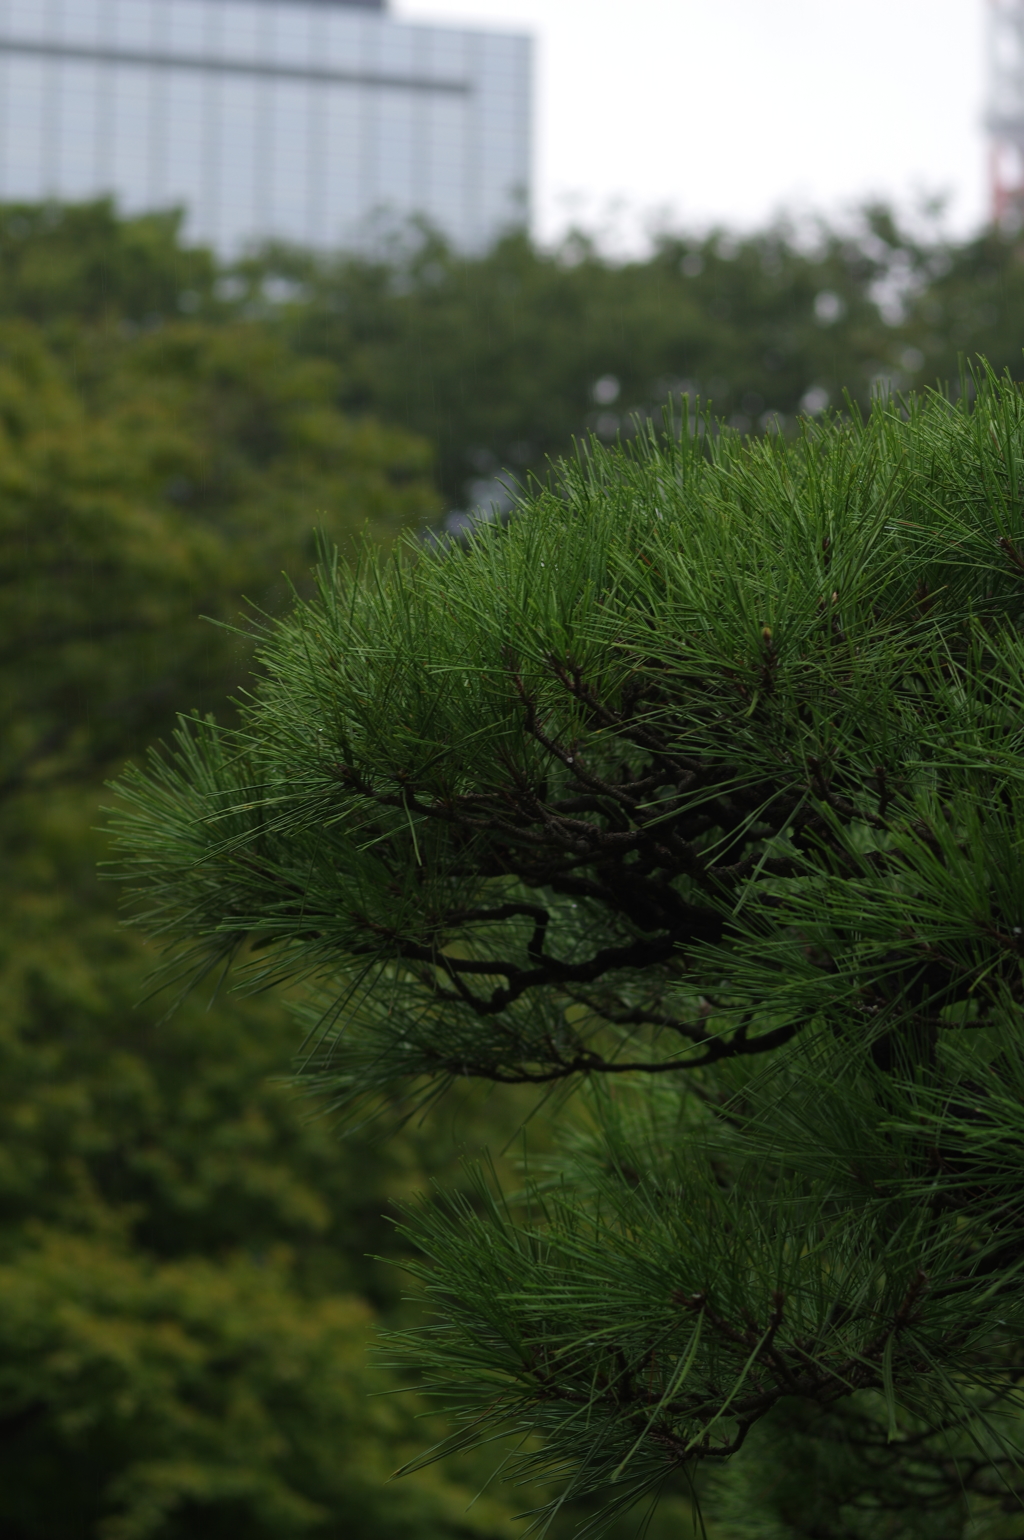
<point x="295" y="119"/>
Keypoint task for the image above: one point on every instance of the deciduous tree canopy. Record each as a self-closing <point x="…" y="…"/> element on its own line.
<point x="182" y="1248"/>
<point x="187" y="1295"/>
<point x="503" y="359"/>
<point x="146" y="482"/>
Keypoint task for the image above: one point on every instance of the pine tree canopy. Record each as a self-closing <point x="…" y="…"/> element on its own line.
<point x="699" y="787"/>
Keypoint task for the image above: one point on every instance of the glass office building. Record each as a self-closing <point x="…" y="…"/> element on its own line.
<point x="299" y="119"/>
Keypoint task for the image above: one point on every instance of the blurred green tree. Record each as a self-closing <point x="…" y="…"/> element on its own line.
<point x="186" y="1293"/>
<point x="183" y="1246"/>
<point x="501" y="360"/>
<point x="182" y="1252"/>
<point x="88" y="262"/>
<point x="150" y="480"/>
<point x="970" y="299"/>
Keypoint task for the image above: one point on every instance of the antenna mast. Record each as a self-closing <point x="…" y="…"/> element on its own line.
<point x="1004" y="116"/>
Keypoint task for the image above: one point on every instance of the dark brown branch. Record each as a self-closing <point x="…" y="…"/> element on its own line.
<point x="586" y="1062"/>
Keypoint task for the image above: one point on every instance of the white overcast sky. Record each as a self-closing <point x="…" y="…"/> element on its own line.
<point x="730" y="110"/>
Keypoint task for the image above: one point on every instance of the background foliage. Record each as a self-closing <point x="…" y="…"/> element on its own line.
<point x="502" y="360"/>
<point x="183" y="1251"/>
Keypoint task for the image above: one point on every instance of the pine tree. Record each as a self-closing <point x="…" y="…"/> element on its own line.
<point x="696" y="790"/>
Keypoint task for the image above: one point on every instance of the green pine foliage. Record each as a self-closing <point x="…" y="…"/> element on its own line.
<point x="836" y="1474"/>
<point x="697" y="787"/>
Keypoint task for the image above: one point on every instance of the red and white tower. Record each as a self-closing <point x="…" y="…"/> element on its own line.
<point x="1004" y="116"/>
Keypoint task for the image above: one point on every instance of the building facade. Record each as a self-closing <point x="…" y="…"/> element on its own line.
<point x="1004" y="117"/>
<point x="301" y="120"/>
